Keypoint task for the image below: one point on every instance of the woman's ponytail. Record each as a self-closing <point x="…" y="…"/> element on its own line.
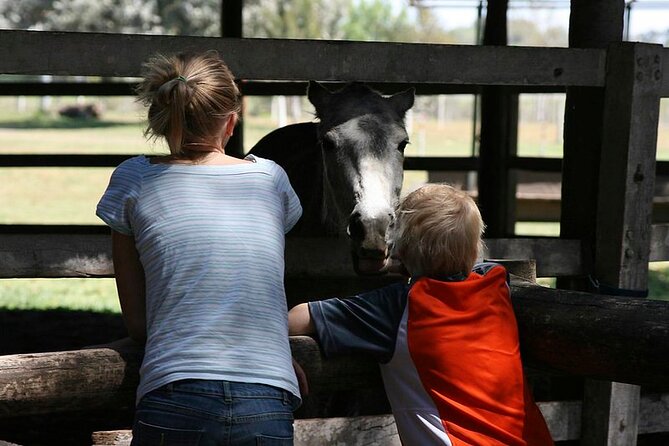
<point x="189" y="99"/>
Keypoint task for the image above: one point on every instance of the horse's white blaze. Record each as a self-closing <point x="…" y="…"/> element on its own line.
<point x="375" y="194"/>
<point x="371" y="180"/>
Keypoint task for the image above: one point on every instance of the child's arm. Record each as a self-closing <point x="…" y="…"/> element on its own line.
<point x="130" y="284"/>
<point x="366" y="323"/>
<point x="299" y="321"/>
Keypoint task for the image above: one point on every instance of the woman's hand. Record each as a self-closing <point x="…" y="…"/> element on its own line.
<point x="301" y="378"/>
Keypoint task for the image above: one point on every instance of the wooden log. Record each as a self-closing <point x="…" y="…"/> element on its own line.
<point x="60" y="251"/>
<point x="554" y="257"/>
<point x="71" y="254"/>
<point x="121" y="55"/>
<point x="562" y="417"/>
<point x="107" y="376"/>
<point x="55" y="255"/>
<point x="112" y="438"/>
<point x="378" y="430"/>
<point x="565" y="331"/>
<point x="596" y="336"/>
<point x="67" y="381"/>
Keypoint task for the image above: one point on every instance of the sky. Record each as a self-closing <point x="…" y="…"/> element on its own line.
<point x="647" y="15"/>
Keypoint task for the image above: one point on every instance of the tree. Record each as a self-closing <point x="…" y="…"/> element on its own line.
<point x="375" y="20"/>
<point x="528" y="33"/>
<point x="26" y="14"/>
<point x="654" y="36"/>
<point x="123" y="16"/>
<point x="193" y="17"/>
<point x="306" y="19"/>
<point x="190" y="18"/>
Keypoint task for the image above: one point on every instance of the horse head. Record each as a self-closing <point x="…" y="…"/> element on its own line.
<point x="362" y="139"/>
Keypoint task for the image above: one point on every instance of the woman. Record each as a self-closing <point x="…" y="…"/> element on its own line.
<point x="198" y="241"/>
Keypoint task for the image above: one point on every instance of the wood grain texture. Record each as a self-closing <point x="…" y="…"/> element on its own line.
<point x="121" y="55"/>
<point x="561" y="331"/>
<point x="68" y="254"/>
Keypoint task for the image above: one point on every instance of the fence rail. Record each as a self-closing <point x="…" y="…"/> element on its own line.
<point x="121" y="55"/>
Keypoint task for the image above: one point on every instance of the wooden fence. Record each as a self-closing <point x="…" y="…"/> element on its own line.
<point x="609" y="338"/>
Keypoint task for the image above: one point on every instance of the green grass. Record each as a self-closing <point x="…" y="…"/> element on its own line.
<point x="45" y="195"/>
<point x="69" y="195"/>
<point x="98" y="295"/>
<point x="658" y="280"/>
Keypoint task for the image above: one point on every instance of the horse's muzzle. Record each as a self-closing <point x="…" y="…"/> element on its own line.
<point x="369" y="246"/>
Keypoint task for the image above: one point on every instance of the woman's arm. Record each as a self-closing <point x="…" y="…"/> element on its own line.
<point x="130" y="284"/>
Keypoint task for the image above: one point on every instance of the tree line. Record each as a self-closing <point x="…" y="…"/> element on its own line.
<point x="380" y="20"/>
<point x="326" y="19"/>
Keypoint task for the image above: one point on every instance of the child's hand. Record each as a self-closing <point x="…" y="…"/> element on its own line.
<point x="395" y="266"/>
<point x="301" y="378"/>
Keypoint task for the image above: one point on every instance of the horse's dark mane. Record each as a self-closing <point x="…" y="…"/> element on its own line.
<point x="352" y="100"/>
<point x="295" y="148"/>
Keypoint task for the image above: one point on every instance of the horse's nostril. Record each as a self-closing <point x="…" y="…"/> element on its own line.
<point x="356" y="229"/>
<point x="372" y="253"/>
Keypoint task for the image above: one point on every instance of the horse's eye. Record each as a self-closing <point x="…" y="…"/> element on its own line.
<point x="402" y="146"/>
<point x="328" y="145"/>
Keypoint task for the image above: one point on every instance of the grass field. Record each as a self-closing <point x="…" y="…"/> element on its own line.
<point x="69" y="195"/>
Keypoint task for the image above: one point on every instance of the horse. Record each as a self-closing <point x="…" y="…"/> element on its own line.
<point x="347" y="168"/>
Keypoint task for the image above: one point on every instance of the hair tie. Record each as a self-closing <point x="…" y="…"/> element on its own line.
<point x="182" y="79"/>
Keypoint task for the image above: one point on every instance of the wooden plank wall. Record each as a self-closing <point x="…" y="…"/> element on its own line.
<point x="119" y="55"/>
<point x="622" y="246"/>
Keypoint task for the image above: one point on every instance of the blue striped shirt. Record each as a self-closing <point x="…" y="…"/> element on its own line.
<point x="211" y="240"/>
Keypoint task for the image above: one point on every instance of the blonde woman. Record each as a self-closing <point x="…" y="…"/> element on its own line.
<point x="447" y="341"/>
<point x="198" y="244"/>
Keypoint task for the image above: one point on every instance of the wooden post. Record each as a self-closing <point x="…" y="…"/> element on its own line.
<point x="499" y="129"/>
<point x="231" y="26"/>
<point x="624" y="210"/>
<point x="592" y="24"/>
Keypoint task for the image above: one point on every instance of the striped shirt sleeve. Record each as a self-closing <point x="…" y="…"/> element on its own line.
<point x="291" y="203"/>
<point x="116" y="203"/>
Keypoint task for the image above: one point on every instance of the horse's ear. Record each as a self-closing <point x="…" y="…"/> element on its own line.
<point x="318" y="95"/>
<point x="402" y="101"/>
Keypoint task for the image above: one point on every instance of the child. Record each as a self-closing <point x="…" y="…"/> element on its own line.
<point x="198" y="243"/>
<point x="447" y="341"/>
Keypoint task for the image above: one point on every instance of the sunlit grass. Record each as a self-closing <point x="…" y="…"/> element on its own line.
<point x="43" y="195"/>
<point x="537" y="228"/>
<point x="69" y="195"/>
<point x="97" y="295"/>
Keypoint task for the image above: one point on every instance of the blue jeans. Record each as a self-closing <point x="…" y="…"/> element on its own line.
<point x="207" y="412"/>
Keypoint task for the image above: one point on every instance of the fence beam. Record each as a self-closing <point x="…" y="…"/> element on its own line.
<point x="562" y="331"/>
<point x="71" y="251"/>
<point x="624" y="213"/>
<point x="121" y="55"/>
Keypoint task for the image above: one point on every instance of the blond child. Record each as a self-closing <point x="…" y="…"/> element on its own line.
<point x="447" y="341"/>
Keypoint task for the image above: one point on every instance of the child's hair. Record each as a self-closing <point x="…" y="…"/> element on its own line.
<point x="190" y="97"/>
<point x="438" y="231"/>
